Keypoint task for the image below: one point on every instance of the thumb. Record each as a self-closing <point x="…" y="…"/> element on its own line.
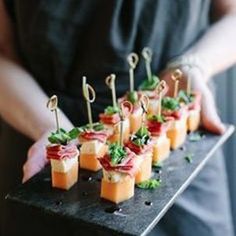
<point x="210" y="118"/>
<point x="36" y="161"/>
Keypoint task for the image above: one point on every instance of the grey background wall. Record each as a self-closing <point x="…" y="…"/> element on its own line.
<point x="226" y="100"/>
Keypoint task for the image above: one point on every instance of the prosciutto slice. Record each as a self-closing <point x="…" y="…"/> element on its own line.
<point x="94" y="135"/>
<point x="60" y="152"/>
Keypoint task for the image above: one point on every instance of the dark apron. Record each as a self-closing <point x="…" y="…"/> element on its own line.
<point x="59" y="41"/>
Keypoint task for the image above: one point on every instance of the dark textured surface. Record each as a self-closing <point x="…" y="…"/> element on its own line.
<point x="81" y="207"/>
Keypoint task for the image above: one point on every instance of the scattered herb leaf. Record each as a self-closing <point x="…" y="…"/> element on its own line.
<point x="149" y="184"/>
<point x="61" y="136"/>
<point x="189" y="158"/>
<point x="149" y="84"/>
<point x="195" y="137"/>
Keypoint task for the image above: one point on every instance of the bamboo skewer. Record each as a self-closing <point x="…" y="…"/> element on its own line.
<point x="147" y="55"/>
<point x="110" y="82"/>
<point x="133" y="61"/>
<point x="160" y="88"/>
<point x="176" y="76"/>
<point x="87" y="90"/>
<point x="144" y="102"/>
<point x="52" y="105"/>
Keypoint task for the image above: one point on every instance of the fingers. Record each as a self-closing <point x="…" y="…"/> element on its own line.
<point x="36" y="161"/>
<point x="210" y="118"/>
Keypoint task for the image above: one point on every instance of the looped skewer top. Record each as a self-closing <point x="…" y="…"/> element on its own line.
<point x="144" y="102"/>
<point x="133" y="60"/>
<point x="176" y="76"/>
<point x="110" y="82"/>
<point x="52" y="103"/>
<point x="161" y="87"/>
<point x="147" y="54"/>
<point x="87" y="91"/>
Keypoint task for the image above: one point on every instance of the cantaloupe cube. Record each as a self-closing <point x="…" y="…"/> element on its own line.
<point x="161" y="149"/>
<point x="65" y="180"/>
<point x="145" y="169"/>
<point x="177" y="136"/>
<point x="119" y="191"/>
<point x="135" y="120"/>
<point x="193" y="120"/>
<point x="90" y="161"/>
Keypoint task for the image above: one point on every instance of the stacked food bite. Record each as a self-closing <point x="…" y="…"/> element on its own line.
<point x="134" y="133"/>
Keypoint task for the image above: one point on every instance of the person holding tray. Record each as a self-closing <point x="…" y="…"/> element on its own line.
<point x="47" y="46"/>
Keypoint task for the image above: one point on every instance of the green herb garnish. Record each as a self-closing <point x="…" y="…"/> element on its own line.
<point x="195" y="137"/>
<point x="149" y="184"/>
<point x="160" y="119"/>
<point x="117" y="153"/>
<point x="184" y="97"/>
<point x="157" y="165"/>
<point x="150" y="84"/>
<point x="95" y="126"/>
<point x="189" y="158"/>
<point x="141" y="137"/>
<point x="132" y="97"/>
<point x="62" y="137"/>
<point x="110" y="110"/>
<point x="170" y="103"/>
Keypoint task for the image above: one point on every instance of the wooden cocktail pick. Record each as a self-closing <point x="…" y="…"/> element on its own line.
<point x="110" y="82"/>
<point x="126" y="108"/>
<point x="189" y="86"/>
<point x="133" y="61"/>
<point x="176" y="76"/>
<point x="144" y="102"/>
<point x="147" y="55"/>
<point x="160" y="88"/>
<point x="52" y="105"/>
<point x="90" y="96"/>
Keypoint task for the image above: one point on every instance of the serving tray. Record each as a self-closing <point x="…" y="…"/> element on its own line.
<point x="80" y="211"/>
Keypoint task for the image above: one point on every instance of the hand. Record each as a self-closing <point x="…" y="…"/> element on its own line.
<point x="36" y="159"/>
<point x="210" y="118"/>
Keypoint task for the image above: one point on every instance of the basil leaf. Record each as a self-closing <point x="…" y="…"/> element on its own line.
<point x="74" y="133"/>
<point x="110" y="110"/>
<point x="150" y="84"/>
<point x="149" y="184"/>
<point x="195" y="137"/>
<point x="170" y="103"/>
<point x="189" y="158"/>
<point x="132" y="97"/>
<point x="98" y="126"/>
<point x="141" y="137"/>
<point x="117" y="153"/>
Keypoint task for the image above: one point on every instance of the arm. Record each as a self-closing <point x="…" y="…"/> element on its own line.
<point x="22" y="101"/>
<point x="213" y="53"/>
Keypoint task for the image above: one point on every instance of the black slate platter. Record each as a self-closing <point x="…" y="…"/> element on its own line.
<point x="82" y="207"/>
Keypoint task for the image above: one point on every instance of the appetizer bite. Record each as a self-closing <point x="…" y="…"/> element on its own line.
<point x="62" y="153"/>
<point x="133" y="96"/>
<point x="158" y="125"/>
<point x="172" y="108"/>
<point x="149" y="85"/>
<point x="92" y="136"/>
<point x="93" y="146"/>
<point x="111" y="118"/>
<point x="119" y="168"/>
<point x="140" y="143"/>
<point x="193" y="102"/>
